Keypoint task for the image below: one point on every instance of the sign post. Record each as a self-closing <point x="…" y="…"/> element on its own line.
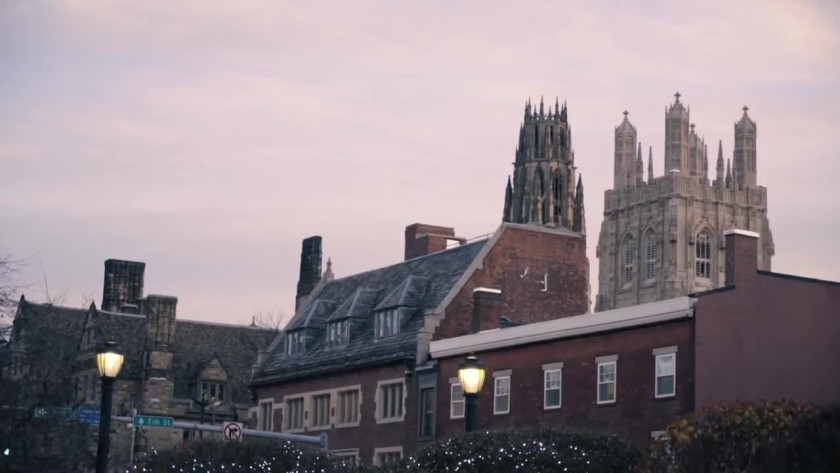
<point x="233" y="431"/>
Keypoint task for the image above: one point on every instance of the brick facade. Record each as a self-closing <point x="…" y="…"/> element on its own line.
<point x="524" y="273"/>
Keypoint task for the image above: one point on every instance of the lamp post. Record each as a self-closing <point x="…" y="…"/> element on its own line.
<point x="471" y="375"/>
<point x="109" y="361"/>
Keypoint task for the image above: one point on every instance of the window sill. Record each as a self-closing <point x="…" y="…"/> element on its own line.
<point x="347" y="425"/>
<point x="606" y="403"/>
<point x="390" y="420"/>
<point x="665" y="396"/>
<point x="552" y="408"/>
<point x="501" y="413"/>
<point x="455" y="417"/>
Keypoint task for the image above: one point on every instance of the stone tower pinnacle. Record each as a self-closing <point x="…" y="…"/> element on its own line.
<point x="676" y="137"/>
<point x="640" y="167"/>
<point x="624" y="167"/>
<point x="650" y="164"/>
<point x="579" y="225"/>
<point x="719" y="181"/>
<point x="542" y="191"/>
<point x="745" y="152"/>
<point x="728" y="174"/>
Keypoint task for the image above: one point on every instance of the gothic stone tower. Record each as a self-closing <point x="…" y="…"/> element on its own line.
<point x="663" y="237"/>
<point x="543" y="190"/>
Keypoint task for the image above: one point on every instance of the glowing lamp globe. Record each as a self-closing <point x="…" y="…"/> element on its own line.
<point x="471" y="375"/>
<point x="109" y="360"/>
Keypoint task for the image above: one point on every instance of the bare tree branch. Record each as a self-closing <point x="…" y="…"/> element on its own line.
<point x="271" y="319"/>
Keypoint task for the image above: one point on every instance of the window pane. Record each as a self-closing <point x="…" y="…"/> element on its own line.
<point x="501" y="404"/>
<point x="664" y="385"/>
<point x="552" y="398"/>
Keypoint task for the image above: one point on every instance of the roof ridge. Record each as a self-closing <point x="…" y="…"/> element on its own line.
<point x="220" y="324"/>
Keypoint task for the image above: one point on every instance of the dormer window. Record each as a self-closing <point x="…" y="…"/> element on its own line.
<point x="338" y="333"/>
<point x="213" y="390"/>
<point x="387" y="323"/>
<point x="295" y="342"/>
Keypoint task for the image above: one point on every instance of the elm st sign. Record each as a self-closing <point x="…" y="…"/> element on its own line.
<point x="153" y="421"/>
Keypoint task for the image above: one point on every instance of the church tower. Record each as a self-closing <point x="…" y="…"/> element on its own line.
<point x="543" y="190"/>
<point x="664" y="238"/>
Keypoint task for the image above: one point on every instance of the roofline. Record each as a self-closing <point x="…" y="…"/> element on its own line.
<point x="202" y="322"/>
<point x="709" y="292"/>
<point x="798" y="278"/>
<point x="567" y="327"/>
<point x="306" y="374"/>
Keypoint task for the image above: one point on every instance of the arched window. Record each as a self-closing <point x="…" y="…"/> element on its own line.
<point x="703" y="255"/>
<point x="650" y="256"/>
<point x="628" y="251"/>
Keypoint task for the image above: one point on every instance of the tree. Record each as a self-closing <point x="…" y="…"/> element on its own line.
<point x="8" y="292"/>
<point x="271" y="319"/>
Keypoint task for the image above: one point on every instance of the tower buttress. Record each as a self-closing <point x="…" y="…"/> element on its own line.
<point x="745" y="152"/>
<point x="676" y="137"/>
<point x="624" y="169"/>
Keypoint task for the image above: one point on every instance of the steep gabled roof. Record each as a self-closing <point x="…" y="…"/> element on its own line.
<point x="415" y="286"/>
<point x="236" y="347"/>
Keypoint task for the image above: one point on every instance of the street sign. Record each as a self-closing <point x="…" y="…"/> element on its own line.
<point x="233" y="431"/>
<point x="53" y="412"/>
<point x="153" y="421"/>
<point x="89" y="415"/>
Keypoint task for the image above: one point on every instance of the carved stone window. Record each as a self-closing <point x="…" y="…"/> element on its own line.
<point x="628" y="251"/>
<point x="651" y="256"/>
<point x="703" y="255"/>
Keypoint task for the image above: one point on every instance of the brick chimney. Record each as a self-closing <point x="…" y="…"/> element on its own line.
<point x="487" y="309"/>
<point x="422" y="239"/>
<point x="310" y="268"/>
<point x="741" y="256"/>
<point x="123" y="284"/>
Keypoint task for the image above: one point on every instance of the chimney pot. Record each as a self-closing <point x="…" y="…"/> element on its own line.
<point x="422" y="239"/>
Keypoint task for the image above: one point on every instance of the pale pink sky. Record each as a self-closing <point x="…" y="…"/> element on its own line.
<point x="207" y="138"/>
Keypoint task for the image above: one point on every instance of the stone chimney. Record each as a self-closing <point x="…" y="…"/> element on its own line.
<point x="310" y="268"/>
<point x="487" y="309"/>
<point x="422" y="239"/>
<point x="123" y="284"/>
<point x="741" y="256"/>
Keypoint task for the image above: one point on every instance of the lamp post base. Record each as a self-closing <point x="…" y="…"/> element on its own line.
<point x="470" y="412"/>
<point x="104" y="447"/>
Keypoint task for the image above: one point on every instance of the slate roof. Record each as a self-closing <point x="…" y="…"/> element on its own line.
<point x="196" y="343"/>
<point x="412" y="287"/>
<point x="236" y="347"/>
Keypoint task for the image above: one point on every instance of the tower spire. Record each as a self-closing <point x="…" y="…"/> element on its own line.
<point x="579" y="224"/>
<point x="541" y="107"/>
<point x="506" y="217"/>
<point x="705" y="161"/>
<point x="640" y="167"/>
<point x="728" y="174"/>
<point x="719" y="182"/>
<point x="556" y="107"/>
<point x="650" y="164"/>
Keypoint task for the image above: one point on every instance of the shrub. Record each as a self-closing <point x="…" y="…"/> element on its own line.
<point x="252" y="456"/>
<point x="813" y="446"/>
<point x="726" y="438"/>
<point x="534" y="451"/>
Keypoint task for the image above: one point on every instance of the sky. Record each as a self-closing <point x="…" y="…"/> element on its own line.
<point x="208" y="138"/>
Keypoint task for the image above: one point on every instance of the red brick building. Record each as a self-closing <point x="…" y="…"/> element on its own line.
<point x="631" y="371"/>
<point x="352" y="361"/>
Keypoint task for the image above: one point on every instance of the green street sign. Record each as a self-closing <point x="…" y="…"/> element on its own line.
<point x="153" y="421"/>
<point x="53" y="412"/>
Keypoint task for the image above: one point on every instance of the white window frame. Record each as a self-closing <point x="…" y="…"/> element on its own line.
<point x="347" y="452"/>
<point x="550" y="369"/>
<point x="287" y="413"/>
<point x="603" y="363"/>
<point x="387" y="324"/>
<point x="422" y="414"/>
<point x="263" y="423"/>
<point x="379" y="451"/>
<point x="665" y="352"/>
<point x="496" y="382"/>
<point x="338" y="392"/>
<point x="314" y="411"/>
<point x="380" y="401"/>
<point x="453" y="402"/>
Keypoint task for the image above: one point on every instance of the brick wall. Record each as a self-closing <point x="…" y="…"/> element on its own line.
<point x="517" y="265"/>
<point x="368" y="435"/>
<point x="770" y="336"/>
<point x="634" y="415"/>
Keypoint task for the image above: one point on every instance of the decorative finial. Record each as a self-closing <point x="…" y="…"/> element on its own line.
<point x="625" y="114"/>
<point x="677" y="95"/>
<point x="745" y="109"/>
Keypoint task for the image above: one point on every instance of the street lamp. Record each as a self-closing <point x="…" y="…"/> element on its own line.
<point x="471" y="375"/>
<point x="109" y="361"/>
